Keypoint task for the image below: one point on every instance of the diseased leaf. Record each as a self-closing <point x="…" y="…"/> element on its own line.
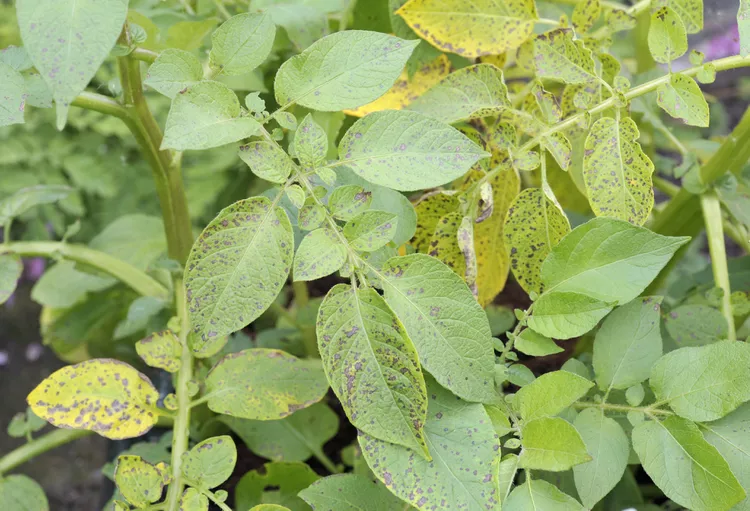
<point x="311" y="216"/>
<point x="585" y="14"/>
<point x="267" y="161"/>
<point x="348" y="201"/>
<point x="628" y="344"/>
<point x="689" y="11"/>
<point x="444" y="243"/>
<point x="370" y="230"/>
<point x="140" y="482"/>
<point x="210" y="462"/>
<point x="689" y="470"/>
<point x="705" y="383"/>
<point x="237" y="267"/>
<point x="264" y="384"/>
<point x="104" y="395"/>
<point x="278" y="482"/>
<point x="681" y="98"/>
<point x="343" y="70"/>
<point x="349" y="492"/>
<point x="241" y="44"/>
<point x="539" y="495"/>
<point x="551" y="443"/>
<point x="667" y="39"/>
<point x="471" y="29"/>
<point x="320" y="253"/>
<point x="618" y="20"/>
<point x="161" y="349"/>
<point x="68" y="40"/>
<point x="12" y="96"/>
<point x="695" y="325"/>
<point x="11" y="269"/>
<point x="559" y="57"/>
<point x="448" y="327"/>
<point x="616" y="171"/>
<point x="21" y="493"/>
<point x="173" y="71"/>
<point x="310" y="143"/>
<point x="430" y="209"/>
<point x="550" y="394"/>
<point x="461" y="439"/>
<point x="372" y="366"/>
<point x="535" y="345"/>
<point x="206" y="115"/>
<point x="407" y="151"/>
<point x="469" y="93"/>
<point x="193" y="500"/>
<point x="564" y="315"/>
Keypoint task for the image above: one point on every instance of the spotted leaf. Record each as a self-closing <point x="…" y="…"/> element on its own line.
<point x="444" y="243"/>
<point x="558" y="56"/>
<point x="667" y="39"/>
<point x="161" y="349"/>
<point x="689" y="11"/>
<point x="193" y="500"/>
<point x="172" y="71"/>
<point x="241" y="43"/>
<point x="210" y="462"/>
<point x="140" y="482"/>
<point x="348" y="201"/>
<point x="267" y="161"/>
<point x="12" y="96"/>
<point x="349" y="492"/>
<point x="682" y="98"/>
<point x="310" y="143"/>
<point x="320" y="253"/>
<point x="370" y="230"/>
<point x="585" y="14"/>
<point x="430" y="209"/>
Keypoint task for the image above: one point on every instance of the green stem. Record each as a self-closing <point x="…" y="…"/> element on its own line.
<point x="216" y="501"/>
<point x="326" y="461"/>
<point x="301" y="294"/>
<point x="102" y="104"/>
<point x="648" y="410"/>
<point x="716" y="245"/>
<point x="39" y="446"/>
<point x="144" y="55"/>
<point x="125" y="272"/>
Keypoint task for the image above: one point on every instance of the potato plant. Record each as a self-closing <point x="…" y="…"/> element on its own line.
<point x="382" y="179"/>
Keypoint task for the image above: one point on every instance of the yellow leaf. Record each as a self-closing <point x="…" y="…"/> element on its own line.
<point x="106" y="396"/>
<point x="430" y="209"/>
<point x="406" y="89"/>
<point x="444" y="243"/>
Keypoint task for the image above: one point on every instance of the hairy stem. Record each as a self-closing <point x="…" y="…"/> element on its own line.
<point x="39" y="446"/>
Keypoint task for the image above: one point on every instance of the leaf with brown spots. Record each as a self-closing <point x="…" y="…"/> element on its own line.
<point x="471" y="29"/>
<point x="682" y="98"/>
<point x="533" y="226"/>
<point x="617" y="172"/>
<point x="373" y="366"/>
<point x="193" y="500"/>
<point x="267" y="161"/>
<point x="140" y="482"/>
<point x="237" y="267"/>
<point x="557" y="56"/>
<point x="310" y="143"/>
<point x="462" y="472"/>
<point x="689" y="11"/>
<point x="430" y="209"/>
<point x="172" y="71"/>
<point x="444" y="243"/>
<point x="104" y="395"/>
<point x="585" y="14"/>
<point x="695" y="325"/>
<point x="667" y="39"/>
<point x="320" y="253"/>
<point x="264" y="384"/>
<point x="348" y="201"/>
<point x="210" y="462"/>
<point x="161" y="349"/>
<point x="370" y="230"/>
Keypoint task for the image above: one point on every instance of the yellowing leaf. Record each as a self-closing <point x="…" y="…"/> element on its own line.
<point x="559" y="57"/>
<point x="140" y="482"/>
<point x="106" y="396"/>
<point x="444" y="243"/>
<point x="430" y="209"/>
<point x="585" y="14"/>
<point x="161" y="349"/>
<point x="471" y="29"/>
<point x="690" y="12"/>
<point x="406" y="89"/>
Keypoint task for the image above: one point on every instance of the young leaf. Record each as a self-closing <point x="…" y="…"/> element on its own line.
<point x="550" y="394"/>
<point x="628" y="344"/>
<point x="730" y="436"/>
<point x="695" y="325"/>
<point x="206" y="115"/>
<point x="26" y="198"/>
<point x="534" y="225"/>
<point x="681" y="98"/>
<point x="348" y="201"/>
<point x="161" y="350"/>
<point x="372" y="366"/>
<point x="310" y="143"/>
<point x="320" y="253"/>
<point x="564" y="315"/>
<point x="407" y="151"/>
<point x="193" y="500"/>
<point x="471" y="29"/>
<point x="559" y="57"/>
<point x="667" y="39"/>
<point x="461" y="440"/>
<point x="241" y="44"/>
<point x="267" y="161"/>
<point x="140" y="482"/>
<point x="706" y="383"/>
<point x="21" y="493"/>
<point x="264" y="384"/>
<point x="448" y="327"/>
<point x="370" y="230"/>
<point x="11" y="269"/>
<point x="343" y="70"/>
<point x="13" y="92"/>
<point x="349" y="492"/>
<point x="585" y="14"/>
<point x="68" y="40"/>
<point x="617" y="172"/>
<point x="608" y="445"/>
<point x="551" y="443"/>
<point x="210" y="462"/>
<point x="237" y="267"/>
<point x="689" y="11"/>
<point x="539" y="495"/>
<point x="311" y="216"/>
<point x="104" y="395"/>
<point x="689" y="470"/>
<point x="536" y="345"/>
<point x="430" y="209"/>
<point x="172" y="71"/>
<point x="469" y="93"/>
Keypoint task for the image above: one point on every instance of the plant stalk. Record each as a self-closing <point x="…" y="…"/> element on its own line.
<point x="649" y="410"/>
<point x="39" y="446"/>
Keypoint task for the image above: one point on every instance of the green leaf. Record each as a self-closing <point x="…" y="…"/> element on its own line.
<point x="193" y="500"/>
<point x="293" y="438"/>
<point x="616" y="171"/>
<point x="608" y="445"/>
<point x="539" y="495"/>
<point x="269" y="507"/>
<point x="26" y="198"/>
<point x="471" y="29"/>
<point x="343" y="70"/>
<point x="310" y="143"/>
<point x="349" y="492"/>
<point x="267" y="161"/>
<point x="140" y="482"/>
<point x="241" y="44"/>
<point x="278" y="483"/>
<point x="557" y="56"/>
<point x="304" y="24"/>
<point x="695" y="325"/>
<point x="372" y="366"/>
<point x="106" y="396"/>
<point x="370" y="230"/>
<point x="469" y="93"/>
<point x="162" y="350"/>
<point x="173" y="71"/>
<point x="11" y="269"/>
<point x="210" y="462"/>
<point x="536" y="345"/>
<point x="690" y="12"/>
<point x="550" y="394"/>
<point x="506" y="474"/>
<point x="533" y="226"/>
<point x="689" y="470"/>
<point x="348" y="201"/>
<point x="667" y="39"/>
<point x="743" y="24"/>
<point x="407" y="151"/>
<point x="585" y="14"/>
<point x="564" y="315"/>
<point x="68" y="40"/>
<point x="320" y="253"/>
<point x="311" y="216"/>
<point x="206" y="115"/>
<point x="448" y="327"/>
<point x="461" y="439"/>
<point x="136" y="239"/>
<point x="263" y="384"/>
<point x="13" y="92"/>
<point x="237" y="267"/>
<point x="730" y="436"/>
<point x="706" y="383"/>
<point x="189" y="35"/>
<point x="682" y="98"/>
<point x="21" y="493"/>
<point x="551" y="443"/>
<point x="16" y="57"/>
<point x="628" y="344"/>
<point x="141" y="314"/>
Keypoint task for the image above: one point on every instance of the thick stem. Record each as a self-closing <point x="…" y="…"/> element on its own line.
<point x="715" y="233"/>
<point x="39" y="446"/>
<point x="649" y="410"/>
